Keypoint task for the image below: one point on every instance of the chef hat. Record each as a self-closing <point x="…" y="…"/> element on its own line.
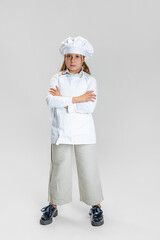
<point x="77" y="45"/>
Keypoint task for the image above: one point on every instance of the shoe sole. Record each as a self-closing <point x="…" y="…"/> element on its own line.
<point x="50" y="220"/>
<point x="97" y="223"/>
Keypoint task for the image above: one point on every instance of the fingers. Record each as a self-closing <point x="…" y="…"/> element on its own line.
<point x="90" y="92"/>
<point x="55" y="91"/>
<point x="93" y="95"/>
<point x="54" y="88"/>
<point x="52" y="93"/>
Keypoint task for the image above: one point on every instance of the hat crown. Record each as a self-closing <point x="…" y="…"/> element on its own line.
<point x="77" y="45"/>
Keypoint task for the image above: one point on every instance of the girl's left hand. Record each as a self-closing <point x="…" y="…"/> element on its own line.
<point x="55" y="92"/>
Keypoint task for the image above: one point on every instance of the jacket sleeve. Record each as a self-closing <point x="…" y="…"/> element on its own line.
<point x="56" y="101"/>
<point x="86" y="107"/>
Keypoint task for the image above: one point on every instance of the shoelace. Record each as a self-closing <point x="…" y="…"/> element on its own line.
<point x="96" y="210"/>
<point x="47" y="209"/>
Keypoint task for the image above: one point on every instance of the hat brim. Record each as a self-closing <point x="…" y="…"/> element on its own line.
<point x="75" y="50"/>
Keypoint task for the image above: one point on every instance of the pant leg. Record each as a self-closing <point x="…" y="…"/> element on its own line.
<point x="88" y="174"/>
<point x="60" y="176"/>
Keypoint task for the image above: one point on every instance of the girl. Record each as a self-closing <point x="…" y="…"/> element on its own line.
<point x="72" y="99"/>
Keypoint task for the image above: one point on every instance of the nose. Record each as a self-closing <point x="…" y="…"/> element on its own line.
<point x="72" y="59"/>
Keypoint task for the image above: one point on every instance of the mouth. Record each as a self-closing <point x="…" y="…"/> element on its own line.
<point x="73" y="65"/>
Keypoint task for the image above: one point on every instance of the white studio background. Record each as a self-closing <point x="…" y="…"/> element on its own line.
<point x="126" y="39"/>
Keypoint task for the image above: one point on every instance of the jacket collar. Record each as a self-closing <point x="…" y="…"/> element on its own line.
<point x="80" y="74"/>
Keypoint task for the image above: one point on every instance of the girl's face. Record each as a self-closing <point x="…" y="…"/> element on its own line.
<point x="74" y="62"/>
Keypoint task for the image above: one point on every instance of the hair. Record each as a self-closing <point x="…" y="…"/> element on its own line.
<point x="84" y="65"/>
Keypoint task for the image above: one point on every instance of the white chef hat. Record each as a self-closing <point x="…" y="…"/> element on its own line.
<point x="77" y="45"/>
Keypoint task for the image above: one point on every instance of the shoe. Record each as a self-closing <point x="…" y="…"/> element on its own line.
<point x="96" y="216"/>
<point x="49" y="212"/>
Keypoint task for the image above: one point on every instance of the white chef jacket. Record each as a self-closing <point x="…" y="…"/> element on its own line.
<point x="74" y="125"/>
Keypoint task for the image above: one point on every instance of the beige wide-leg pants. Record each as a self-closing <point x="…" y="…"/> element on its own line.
<point x="60" y="176"/>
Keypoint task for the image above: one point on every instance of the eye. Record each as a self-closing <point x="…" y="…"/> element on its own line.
<point x="77" y="56"/>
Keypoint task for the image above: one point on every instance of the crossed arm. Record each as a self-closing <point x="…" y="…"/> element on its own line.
<point x="88" y="96"/>
<point x="85" y="103"/>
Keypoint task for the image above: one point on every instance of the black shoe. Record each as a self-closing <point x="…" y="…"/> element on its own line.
<point x="49" y="212"/>
<point x="96" y="216"/>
